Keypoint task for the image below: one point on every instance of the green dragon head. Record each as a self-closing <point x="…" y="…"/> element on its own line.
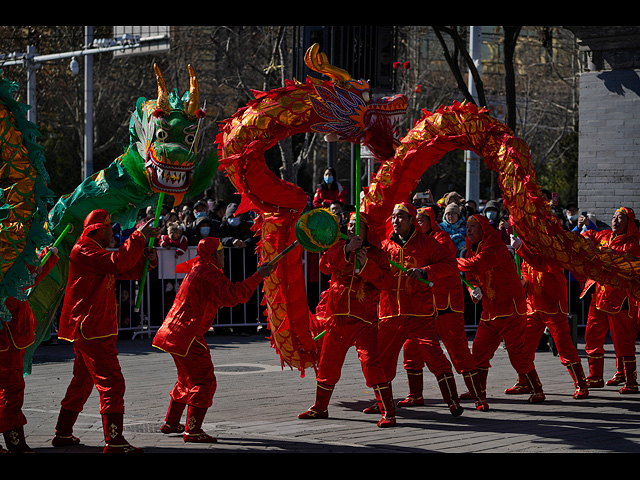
<point x="165" y="138"/>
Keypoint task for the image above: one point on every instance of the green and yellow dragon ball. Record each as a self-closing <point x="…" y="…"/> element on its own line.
<point x="317" y="230"/>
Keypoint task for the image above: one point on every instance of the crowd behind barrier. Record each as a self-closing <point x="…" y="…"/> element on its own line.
<point x="162" y="284"/>
<point x="241" y="261"/>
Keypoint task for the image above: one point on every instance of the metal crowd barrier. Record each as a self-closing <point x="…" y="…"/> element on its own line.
<point x="162" y="284"/>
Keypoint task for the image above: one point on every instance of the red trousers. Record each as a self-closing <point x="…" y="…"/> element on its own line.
<point x="11" y="388"/>
<point x="558" y="325"/>
<point x="489" y="335"/>
<point x="421" y="331"/>
<point x="96" y="363"/>
<point x="343" y="332"/>
<point x="196" y="383"/>
<point x="624" y="330"/>
<point x="450" y="328"/>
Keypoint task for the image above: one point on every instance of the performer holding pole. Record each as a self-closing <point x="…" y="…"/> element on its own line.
<point x="351" y="315"/>
<point x="67" y="229"/>
<point x="203" y="291"/>
<point x="89" y="319"/>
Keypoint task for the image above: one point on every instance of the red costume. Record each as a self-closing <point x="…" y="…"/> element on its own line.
<point x="349" y="307"/>
<point x="613" y="309"/>
<point x="449" y="303"/>
<point x="408" y="311"/>
<point x="203" y="291"/>
<point x="15" y="336"/>
<point x="325" y="196"/>
<point x="547" y="306"/>
<point x="89" y="319"/>
<point x="181" y="244"/>
<point x="488" y="265"/>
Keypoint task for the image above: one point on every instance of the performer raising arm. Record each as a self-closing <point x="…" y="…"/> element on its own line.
<point x="203" y="291"/>
<point x="89" y="319"/>
<point x="489" y="265"/>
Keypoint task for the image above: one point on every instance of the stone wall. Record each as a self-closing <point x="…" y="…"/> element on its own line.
<point x="609" y="123"/>
<point x="609" y="145"/>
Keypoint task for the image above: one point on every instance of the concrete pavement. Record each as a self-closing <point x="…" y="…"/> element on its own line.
<point x="256" y="405"/>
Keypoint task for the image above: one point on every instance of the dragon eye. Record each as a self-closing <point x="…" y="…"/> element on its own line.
<point x="189" y="138"/>
<point x="162" y="134"/>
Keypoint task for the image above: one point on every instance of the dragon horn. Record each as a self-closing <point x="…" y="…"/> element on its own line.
<point x="194" y="94"/>
<point x="163" y="98"/>
<point x="318" y="61"/>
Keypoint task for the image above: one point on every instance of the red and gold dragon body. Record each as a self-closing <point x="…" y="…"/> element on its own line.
<point x="342" y="109"/>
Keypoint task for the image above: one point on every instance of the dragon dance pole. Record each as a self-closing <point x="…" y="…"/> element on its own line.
<point x="464" y="280"/>
<point x="151" y="242"/>
<point x="357" y="190"/>
<point x="66" y="230"/>
<point x="516" y="255"/>
<point x="397" y="265"/>
<point x="276" y="259"/>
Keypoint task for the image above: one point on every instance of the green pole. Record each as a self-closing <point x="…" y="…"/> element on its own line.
<point x="66" y="230"/>
<point x="152" y="240"/>
<point x="516" y="255"/>
<point x="397" y="265"/>
<point x="357" y="147"/>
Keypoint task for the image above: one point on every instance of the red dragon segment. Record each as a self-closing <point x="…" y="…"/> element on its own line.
<point x="340" y="108"/>
<point x="466" y="127"/>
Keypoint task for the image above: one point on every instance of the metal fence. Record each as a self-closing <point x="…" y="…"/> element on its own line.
<point x="162" y="284"/>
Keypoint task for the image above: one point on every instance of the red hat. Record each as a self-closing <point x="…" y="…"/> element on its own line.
<point x="208" y="246"/>
<point x="406" y="207"/>
<point x="632" y="228"/>
<point x="96" y="219"/>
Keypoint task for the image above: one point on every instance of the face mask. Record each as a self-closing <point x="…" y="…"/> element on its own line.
<point x="201" y="214"/>
<point x="491" y="215"/>
<point x="573" y="218"/>
<point x="328" y="179"/>
<point x="204" y="231"/>
<point x="234" y="222"/>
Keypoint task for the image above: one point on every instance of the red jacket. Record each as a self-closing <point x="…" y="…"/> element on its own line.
<point x="489" y="265"/>
<point x="90" y="307"/>
<point x="325" y="196"/>
<point x="546" y="284"/>
<point x="447" y="291"/>
<point x="203" y="291"/>
<point x="607" y="298"/>
<point x="355" y="295"/>
<point x="409" y="296"/>
<point x="180" y="245"/>
<point x="20" y="330"/>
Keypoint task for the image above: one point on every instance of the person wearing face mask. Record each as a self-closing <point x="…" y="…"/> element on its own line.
<point x="492" y="212"/>
<point x="237" y="235"/>
<point x="572" y="214"/>
<point x="235" y="230"/>
<point x="201" y="228"/>
<point x="329" y="190"/>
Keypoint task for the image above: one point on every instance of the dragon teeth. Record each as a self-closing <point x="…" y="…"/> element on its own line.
<point x="170" y="177"/>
